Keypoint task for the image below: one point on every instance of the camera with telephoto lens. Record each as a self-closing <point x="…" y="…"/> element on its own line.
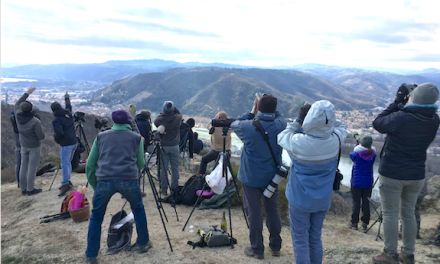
<point x="280" y="174"/>
<point x="222" y="122"/>
<point x="157" y="134"/>
<point x="79" y="116"/>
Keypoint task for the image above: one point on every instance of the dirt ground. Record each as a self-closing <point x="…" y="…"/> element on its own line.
<point x="24" y="240"/>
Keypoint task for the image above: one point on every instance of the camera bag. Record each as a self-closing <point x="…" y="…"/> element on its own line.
<point x="338" y="174"/>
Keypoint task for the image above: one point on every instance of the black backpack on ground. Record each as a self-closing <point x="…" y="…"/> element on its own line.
<point x="188" y="194"/>
<point x="119" y="239"/>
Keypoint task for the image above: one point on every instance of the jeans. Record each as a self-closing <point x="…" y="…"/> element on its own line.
<point x="169" y="154"/>
<point x="66" y="161"/>
<point x="30" y="159"/>
<point x="306" y="235"/>
<point x="395" y="194"/>
<point x="360" y="200"/>
<point x="103" y="192"/>
<point x="252" y="205"/>
<point x="212" y="155"/>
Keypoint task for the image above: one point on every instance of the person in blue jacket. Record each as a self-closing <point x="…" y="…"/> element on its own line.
<point x="362" y="179"/>
<point x="313" y="145"/>
<point x="257" y="168"/>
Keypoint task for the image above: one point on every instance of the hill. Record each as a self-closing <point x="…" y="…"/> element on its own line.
<point x="204" y="91"/>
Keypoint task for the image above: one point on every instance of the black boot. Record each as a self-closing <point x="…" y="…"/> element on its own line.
<point x="64" y="189"/>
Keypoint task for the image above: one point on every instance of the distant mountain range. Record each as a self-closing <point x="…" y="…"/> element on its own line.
<point x="204" y="91"/>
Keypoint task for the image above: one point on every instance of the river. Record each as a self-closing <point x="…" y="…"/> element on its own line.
<point x="345" y="165"/>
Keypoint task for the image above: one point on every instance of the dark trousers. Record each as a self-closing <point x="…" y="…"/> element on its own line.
<point x="212" y="155"/>
<point x="252" y="205"/>
<point x="360" y="200"/>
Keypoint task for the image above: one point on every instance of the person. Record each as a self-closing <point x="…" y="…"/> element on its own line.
<point x="64" y="129"/>
<point x="216" y="143"/>
<point x="363" y="156"/>
<point x="257" y="168"/>
<point x="171" y="119"/>
<point x="77" y="155"/>
<point x="31" y="134"/>
<point x="143" y="122"/>
<point x="17" y="147"/>
<point x="186" y="132"/>
<point x="112" y="166"/>
<point x="312" y="142"/>
<point x="411" y="124"/>
<point x="198" y="144"/>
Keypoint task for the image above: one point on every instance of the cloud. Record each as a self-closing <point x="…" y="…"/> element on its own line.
<point x="30" y="11"/>
<point x="152" y="13"/>
<point x="151" y="26"/>
<point x="419" y="58"/>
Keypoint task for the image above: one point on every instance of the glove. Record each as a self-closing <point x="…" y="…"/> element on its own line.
<point x="303" y="112"/>
<point x="402" y="94"/>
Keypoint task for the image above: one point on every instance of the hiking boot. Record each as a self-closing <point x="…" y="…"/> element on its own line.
<point x="34" y="191"/>
<point x="275" y="253"/>
<point x="91" y="260"/>
<point x="146" y="248"/>
<point x="23" y="192"/>
<point x="364" y="227"/>
<point x="353" y="226"/>
<point x="164" y="193"/>
<point x="250" y="253"/>
<point x="384" y="258"/>
<point x="418" y="236"/>
<point x="406" y="259"/>
<point x="64" y="189"/>
<point x="71" y="184"/>
<point x="144" y="194"/>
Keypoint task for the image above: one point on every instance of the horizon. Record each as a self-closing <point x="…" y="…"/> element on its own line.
<point x="393" y="34"/>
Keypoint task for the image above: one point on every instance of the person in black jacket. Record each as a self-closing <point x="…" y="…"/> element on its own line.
<point x="17" y="148"/>
<point x="143" y="122"/>
<point x="187" y="133"/>
<point x="198" y="144"/>
<point x="64" y="128"/>
<point x="411" y="124"/>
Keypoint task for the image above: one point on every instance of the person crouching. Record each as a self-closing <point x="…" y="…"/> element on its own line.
<point x="112" y="166"/>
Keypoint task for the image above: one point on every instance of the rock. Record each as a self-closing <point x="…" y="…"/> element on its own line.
<point x="431" y="201"/>
<point x="23" y="204"/>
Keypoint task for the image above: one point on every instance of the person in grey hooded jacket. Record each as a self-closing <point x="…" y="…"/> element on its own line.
<point x="313" y="146"/>
<point x="31" y="134"/>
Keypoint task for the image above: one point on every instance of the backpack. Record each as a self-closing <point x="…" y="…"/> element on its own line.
<point x="212" y="237"/>
<point x="65" y="205"/>
<point x="188" y="194"/>
<point x="119" y="239"/>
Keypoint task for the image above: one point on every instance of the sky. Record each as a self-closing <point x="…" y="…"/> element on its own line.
<point x="393" y="34"/>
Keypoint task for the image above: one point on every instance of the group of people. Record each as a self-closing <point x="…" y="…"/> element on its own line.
<point x="313" y="142"/>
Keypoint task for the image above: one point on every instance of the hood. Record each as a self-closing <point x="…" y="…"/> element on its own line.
<point x="363" y="152"/>
<point x="424" y="111"/>
<point x="24" y="117"/>
<point x="140" y="117"/>
<point x="320" y="119"/>
<point x="60" y="112"/>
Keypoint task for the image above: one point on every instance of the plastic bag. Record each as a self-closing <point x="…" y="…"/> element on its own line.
<point x="215" y="179"/>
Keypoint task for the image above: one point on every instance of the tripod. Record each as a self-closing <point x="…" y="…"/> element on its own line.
<point x="379" y="216"/>
<point x="226" y="165"/>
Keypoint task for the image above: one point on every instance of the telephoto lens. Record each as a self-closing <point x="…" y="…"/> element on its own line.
<point x="270" y="189"/>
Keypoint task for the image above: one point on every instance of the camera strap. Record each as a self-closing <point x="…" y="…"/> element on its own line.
<point x="340" y="149"/>
<point x="257" y="124"/>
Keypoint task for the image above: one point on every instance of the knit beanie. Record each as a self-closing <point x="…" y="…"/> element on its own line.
<point x="168" y="107"/>
<point x="55" y="106"/>
<point x="366" y="141"/>
<point x="425" y="94"/>
<point x="121" y="117"/>
<point x="26" y="106"/>
<point x="267" y="104"/>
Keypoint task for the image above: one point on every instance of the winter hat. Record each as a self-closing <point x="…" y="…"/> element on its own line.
<point x="26" y="106"/>
<point x="425" y="94"/>
<point x="191" y="122"/>
<point x="267" y="104"/>
<point x="168" y="107"/>
<point x="121" y="117"/>
<point x="366" y="141"/>
<point x="55" y="106"/>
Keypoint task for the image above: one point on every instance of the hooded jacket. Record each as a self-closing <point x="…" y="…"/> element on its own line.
<point x="144" y="127"/>
<point x="362" y="172"/>
<point x="186" y="130"/>
<point x="171" y="122"/>
<point x="29" y="127"/>
<point x="410" y="131"/>
<point x="64" y="125"/>
<point x="257" y="167"/>
<point x="313" y="150"/>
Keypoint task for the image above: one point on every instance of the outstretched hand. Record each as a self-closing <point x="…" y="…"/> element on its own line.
<point x="31" y="90"/>
<point x="255" y="107"/>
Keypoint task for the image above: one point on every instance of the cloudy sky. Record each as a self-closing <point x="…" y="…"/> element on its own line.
<point x="391" y="33"/>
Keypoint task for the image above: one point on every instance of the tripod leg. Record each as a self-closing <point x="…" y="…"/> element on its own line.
<point x="238" y="192"/>
<point x="225" y="174"/>
<point x="54" y="177"/>
<point x="380" y="224"/>
<point x="194" y="207"/>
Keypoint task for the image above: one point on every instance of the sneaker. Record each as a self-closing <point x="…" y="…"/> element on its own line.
<point x="384" y="258"/>
<point x="146" y="248"/>
<point x="34" y="191"/>
<point x="71" y="184"/>
<point x="406" y="259"/>
<point x="275" y="253"/>
<point x="164" y="193"/>
<point x="64" y="189"/>
<point x="250" y="253"/>
<point x="91" y="260"/>
<point x="353" y="226"/>
<point x="23" y="192"/>
<point x="364" y="227"/>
